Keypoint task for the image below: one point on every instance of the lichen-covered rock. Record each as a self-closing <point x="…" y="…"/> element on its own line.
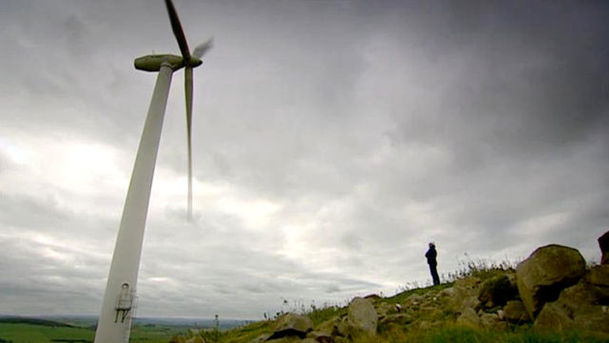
<point x="592" y="318"/>
<point x="554" y="317"/>
<point x="515" y="312"/>
<point x="577" y="308"/>
<point x="545" y="273"/>
<point x="362" y="318"/>
<point x="598" y="276"/>
<point x="292" y="324"/>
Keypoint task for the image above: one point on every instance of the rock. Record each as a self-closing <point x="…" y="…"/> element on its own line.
<point x="414" y="300"/>
<point x="195" y="339"/>
<point x="598" y="278"/>
<point x="177" y="339"/>
<point x="592" y="318"/>
<point x="515" y="312"/>
<point x="469" y="318"/>
<point x="553" y="317"/>
<point x="362" y="318"/>
<point x="582" y="303"/>
<point x="372" y="297"/>
<point x="385" y="309"/>
<point x="603" y="243"/>
<point x="501" y="315"/>
<point x="491" y="321"/>
<point x="579" y="295"/>
<point x="343" y="327"/>
<point x="598" y="275"/>
<point x="286" y="339"/>
<point x="320" y="337"/>
<point x="488" y="320"/>
<point x="576" y="308"/>
<point x="399" y="318"/>
<point x="464" y="294"/>
<point x="496" y="291"/>
<point x="329" y="327"/>
<point x="545" y="273"/>
<point x="292" y="324"/>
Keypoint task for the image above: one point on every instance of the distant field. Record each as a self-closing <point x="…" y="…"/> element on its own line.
<point x="40" y="331"/>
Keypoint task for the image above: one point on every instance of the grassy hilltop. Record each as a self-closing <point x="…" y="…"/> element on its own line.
<point x="480" y="304"/>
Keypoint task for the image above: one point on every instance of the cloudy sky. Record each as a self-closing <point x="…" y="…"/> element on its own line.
<point x="332" y="140"/>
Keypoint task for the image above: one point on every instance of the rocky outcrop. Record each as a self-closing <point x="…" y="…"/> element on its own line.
<point x="545" y="273"/>
<point x="561" y="295"/>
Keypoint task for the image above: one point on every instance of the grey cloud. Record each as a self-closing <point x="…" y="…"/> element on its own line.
<point x="373" y="127"/>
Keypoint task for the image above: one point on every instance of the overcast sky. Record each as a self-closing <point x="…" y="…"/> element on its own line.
<point x="332" y="140"/>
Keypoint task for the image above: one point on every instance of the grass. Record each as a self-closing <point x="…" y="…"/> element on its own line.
<point x="456" y="334"/>
<point x="36" y="333"/>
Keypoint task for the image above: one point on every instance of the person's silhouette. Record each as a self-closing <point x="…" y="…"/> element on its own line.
<point x="431" y="255"/>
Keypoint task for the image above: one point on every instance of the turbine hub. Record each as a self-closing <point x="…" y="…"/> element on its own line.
<point x="154" y="62"/>
<point x="194" y="62"/>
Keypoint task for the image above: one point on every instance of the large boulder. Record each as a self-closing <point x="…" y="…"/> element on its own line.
<point x="545" y="273"/>
<point x="292" y="324"/>
<point x="554" y="317"/>
<point x="577" y="307"/>
<point x="598" y="278"/>
<point x="362" y="319"/>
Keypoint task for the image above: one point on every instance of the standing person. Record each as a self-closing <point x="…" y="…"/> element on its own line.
<point x="431" y="255"/>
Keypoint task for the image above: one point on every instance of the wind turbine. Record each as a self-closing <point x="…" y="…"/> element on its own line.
<point x="114" y="323"/>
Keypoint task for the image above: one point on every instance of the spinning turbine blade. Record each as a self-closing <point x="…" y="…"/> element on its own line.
<point x="118" y="304"/>
<point x="177" y="30"/>
<point x="200" y="50"/>
<point x="188" y="92"/>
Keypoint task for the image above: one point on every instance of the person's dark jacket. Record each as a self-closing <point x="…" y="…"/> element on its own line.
<point x="431" y="256"/>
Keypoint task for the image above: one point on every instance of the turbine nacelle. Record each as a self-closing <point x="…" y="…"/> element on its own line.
<point x="154" y="62"/>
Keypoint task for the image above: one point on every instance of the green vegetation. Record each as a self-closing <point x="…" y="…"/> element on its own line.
<point x="33" y="332"/>
<point x="456" y="334"/>
<point x="427" y="317"/>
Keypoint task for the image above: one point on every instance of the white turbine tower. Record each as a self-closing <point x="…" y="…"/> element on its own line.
<point x="114" y="323"/>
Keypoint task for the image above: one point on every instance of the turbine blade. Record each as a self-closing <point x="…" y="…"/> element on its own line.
<point x="188" y="92"/>
<point x="177" y="30"/>
<point x="200" y="50"/>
